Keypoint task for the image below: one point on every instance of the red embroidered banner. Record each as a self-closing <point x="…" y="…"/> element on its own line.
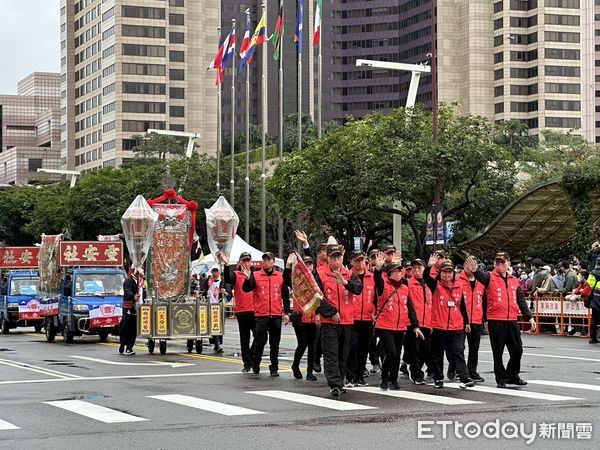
<point x="19" y="257"/>
<point x="91" y="253"/>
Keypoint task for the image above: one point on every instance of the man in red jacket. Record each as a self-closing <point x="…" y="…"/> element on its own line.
<point x="271" y="300"/>
<point x="336" y="316"/>
<point x="243" y="306"/>
<point x="504" y="300"/>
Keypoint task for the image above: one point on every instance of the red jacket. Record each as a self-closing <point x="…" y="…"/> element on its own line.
<point x="244" y="301"/>
<point x="422" y="301"/>
<point x="363" y="303"/>
<point x="337" y="295"/>
<point x="394" y="309"/>
<point x="473" y="298"/>
<point x="270" y="293"/>
<point x="446" y="314"/>
<point x="502" y="297"/>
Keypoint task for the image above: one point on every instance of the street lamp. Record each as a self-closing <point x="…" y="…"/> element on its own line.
<point x="74" y="174"/>
<point x="416" y="70"/>
<point x="191" y="136"/>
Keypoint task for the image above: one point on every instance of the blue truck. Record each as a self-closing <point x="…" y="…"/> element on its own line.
<point x="82" y="293"/>
<point x="20" y="305"/>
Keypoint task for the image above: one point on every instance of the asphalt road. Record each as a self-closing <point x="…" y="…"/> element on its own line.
<point x="86" y="395"/>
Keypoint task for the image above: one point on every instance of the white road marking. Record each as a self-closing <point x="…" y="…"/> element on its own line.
<point x="42" y="370"/>
<point x="514" y="393"/>
<point x="416" y="396"/>
<point x="589" y="387"/>
<point x="117" y="363"/>
<point x="578" y="358"/>
<point x="123" y="377"/>
<point x="207" y="405"/>
<point x="95" y="412"/>
<point x="312" y="400"/>
<point x="4" y="425"/>
<point x="577" y="350"/>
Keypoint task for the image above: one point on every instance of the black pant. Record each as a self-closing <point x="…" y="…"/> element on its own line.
<point x="128" y="328"/>
<point x="594" y="322"/>
<point x="392" y="345"/>
<point x="362" y="331"/>
<point x="306" y="335"/>
<point x="272" y="326"/>
<point x="453" y="343"/>
<point x="419" y="353"/>
<point x="473" y="341"/>
<point x="246" y="326"/>
<point x="335" y="342"/>
<point x="319" y="352"/>
<point x="504" y="333"/>
<point x="375" y="350"/>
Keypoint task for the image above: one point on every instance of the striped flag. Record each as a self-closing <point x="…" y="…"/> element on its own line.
<point x="217" y="62"/>
<point x="299" y="20"/>
<point x="230" y="49"/>
<point x="278" y="33"/>
<point x="318" y="14"/>
<point x="258" y="38"/>
<point x="245" y="41"/>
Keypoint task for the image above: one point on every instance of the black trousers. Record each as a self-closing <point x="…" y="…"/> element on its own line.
<point x="246" y="326"/>
<point x="473" y="341"/>
<point x="306" y="335"/>
<point x="360" y="341"/>
<point x="392" y="345"/>
<point x="419" y="353"/>
<point x="453" y="343"/>
<point x="595" y="321"/>
<point x="335" y="342"/>
<point x="504" y="333"/>
<point x="267" y="325"/>
<point x="128" y="328"/>
<point x="376" y="351"/>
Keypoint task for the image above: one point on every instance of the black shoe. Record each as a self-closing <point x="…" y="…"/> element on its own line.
<point x="256" y="370"/>
<point x="361" y="382"/>
<point x="218" y="349"/>
<point x="334" y="392"/>
<point x="246" y="369"/>
<point x="394" y="386"/>
<point x="467" y="383"/>
<point x="593" y="341"/>
<point x="419" y="381"/>
<point x="501" y="385"/>
<point x="121" y="348"/>
<point x="439" y="384"/>
<point x="343" y="391"/>
<point x="383" y="385"/>
<point x="275" y="373"/>
<point x="296" y="372"/>
<point x="404" y="368"/>
<point x="451" y="375"/>
<point x="317" y="368"/>
<point x="129" y="352"/>
<point x="518" y="382"/>
<point x="311" y="377"/>
<point x="477" y="378"/>
<point x="375" y="368"/>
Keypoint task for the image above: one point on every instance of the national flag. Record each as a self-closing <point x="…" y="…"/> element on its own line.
<point x="278" y="33"/>
<point x="318" y="14"/>
<point x="258" y="38"/>
<point x="299" y="20"/>
<point x="218" y="60"/>
<point x="230" y="49"/>
<point x="245" y="41"/>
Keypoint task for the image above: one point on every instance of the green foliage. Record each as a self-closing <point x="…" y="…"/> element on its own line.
<point x="158" y="146"/>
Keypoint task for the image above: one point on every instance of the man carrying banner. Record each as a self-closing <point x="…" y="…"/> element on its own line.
<point x="271" y="299"/>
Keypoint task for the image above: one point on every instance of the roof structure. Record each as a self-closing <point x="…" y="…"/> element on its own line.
<point x="541" y="216"/>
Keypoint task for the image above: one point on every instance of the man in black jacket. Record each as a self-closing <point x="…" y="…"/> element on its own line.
<point x="128" y="327"/>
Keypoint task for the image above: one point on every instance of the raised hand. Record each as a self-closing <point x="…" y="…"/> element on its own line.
<point x="301" y="236"/>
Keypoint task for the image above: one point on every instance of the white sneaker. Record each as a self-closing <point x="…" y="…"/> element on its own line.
<point x="129" y="353"/>
<point x="349" y="384"/>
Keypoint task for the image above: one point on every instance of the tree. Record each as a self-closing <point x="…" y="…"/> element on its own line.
<point x="158" y="146"/>
<point x="290" y="132"/>
<point x="347" y="183"/>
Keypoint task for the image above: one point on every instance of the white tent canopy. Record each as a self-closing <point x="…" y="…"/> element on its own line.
<point x="239" y="246"/>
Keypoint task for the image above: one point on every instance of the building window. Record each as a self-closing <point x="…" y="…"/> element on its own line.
<point x="144" y="107"/>
<point x="176" y="38"/>
<point x="498" y="40"/>
<point x="176" y="92"/>
<point x="516" y="72"/>
<point x="523" y="107"/>
<point x="525" y="56"/>
<point x="563" y="88"/>
<point x="498" y="74"/>
<point x="562" y="53"/>
<point x="498" y="6"/>
<point x="557" y="36"/>
<point x="561" y="19"/>
<point x="108" y="108"/>
<point x="573" y="4"/>
<point x="35" y="164"/>
<point x="176" y="3"/>
<point x="498" y="57"/>
<point x="156" y="51"/>
<point x="498" y="23"/>
<point x="177" y="111"/>
<point x="562" y="71"/>
<point x="523" y="89"/>
<point x="143" y="12"/>
<point x="144" y="69"/>
<point x="499" y="91"/>
<point x="129" y="144"/>
<point x="563" y="105"/>
<point x="523" y="22"/>
<point x="176" y="19"/>
<point x="176" y="56"/>
<point x="563" y="122"/>
<point x="144" y="88"/>
<point x="176" y="127"/>
<point x="176" y="74"/>
<point x="143" y="31"/>
<point x="523" y="5"/>
<point x="141" y="126"/>
<point x="499" y="108"/>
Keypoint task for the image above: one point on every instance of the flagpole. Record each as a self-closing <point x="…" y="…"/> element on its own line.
<point x="247" y="179"/>
<point x="311" y="62"/>
<point x="263" y="194"/>
<point x="218" y="119"/>
<point x="299" y="91"/>
<point x="280" y="221"/>
<point x="232" y="181"/>
<point x="320" y="75"/>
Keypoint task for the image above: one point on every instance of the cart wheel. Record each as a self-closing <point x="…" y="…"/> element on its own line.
<point x="151" y="346"/>
<point x="199" y="346"/>
<point x="190" y="345"/>
<point x="163" y="347"/>
<point x="67" y="334"/>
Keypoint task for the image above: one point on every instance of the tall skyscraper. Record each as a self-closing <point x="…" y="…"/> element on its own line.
<point x="590" y="70"/>
<point x="131" y="65"/>
<point x="30" y="129"/>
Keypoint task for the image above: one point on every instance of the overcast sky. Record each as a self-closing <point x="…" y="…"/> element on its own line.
<point x="29" y="40"/>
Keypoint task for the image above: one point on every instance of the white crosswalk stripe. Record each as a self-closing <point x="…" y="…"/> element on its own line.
<point x="206" y="405"/>
<point x="4" y="425"/>
<point x="95" y="412"/>
<point x="589" y="387"/>
<point x="514" y="393"/>
<point x="312" y="400"/>
<point x="416" y="396"/>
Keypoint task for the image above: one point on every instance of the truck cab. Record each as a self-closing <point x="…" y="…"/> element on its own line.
<point x="20" y="306"/>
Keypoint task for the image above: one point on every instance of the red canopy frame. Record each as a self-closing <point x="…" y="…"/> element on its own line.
<point x="170" y="194"/>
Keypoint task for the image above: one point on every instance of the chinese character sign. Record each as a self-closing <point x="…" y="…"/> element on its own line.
<point x="91" y="253"/>
<point x="19" y="257"/>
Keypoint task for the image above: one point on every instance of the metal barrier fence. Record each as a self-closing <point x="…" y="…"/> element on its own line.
<point x="558" y="312"/>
